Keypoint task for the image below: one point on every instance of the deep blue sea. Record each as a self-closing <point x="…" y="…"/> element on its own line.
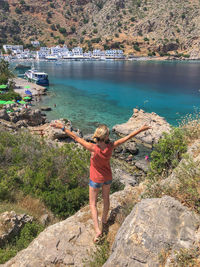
<point x="93" y="92"/>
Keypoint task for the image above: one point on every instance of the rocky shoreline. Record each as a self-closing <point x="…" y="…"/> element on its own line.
<point x="134" y="153"/>
<point x="21" y="86"/>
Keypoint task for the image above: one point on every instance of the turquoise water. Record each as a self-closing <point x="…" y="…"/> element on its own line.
<point x="89" y="93"/>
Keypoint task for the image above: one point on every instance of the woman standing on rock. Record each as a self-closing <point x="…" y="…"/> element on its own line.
<point x="100" y="170"/>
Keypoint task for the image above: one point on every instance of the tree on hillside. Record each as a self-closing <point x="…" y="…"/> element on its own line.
<point x="5" y="72"/>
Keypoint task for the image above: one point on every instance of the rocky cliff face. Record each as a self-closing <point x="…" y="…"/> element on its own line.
<point x="154" y="225"/>
<point x="68" y="243"/>
<point x="139" y="27"/>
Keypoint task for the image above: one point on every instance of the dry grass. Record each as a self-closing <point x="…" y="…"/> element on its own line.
<point x="36" y="208"/>
<point x="163" y="256"/>
<point x="191" y="125"/>
<point x="28" y="205"/>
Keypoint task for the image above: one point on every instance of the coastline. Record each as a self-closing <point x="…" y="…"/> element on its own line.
<point x="21" y="84"/>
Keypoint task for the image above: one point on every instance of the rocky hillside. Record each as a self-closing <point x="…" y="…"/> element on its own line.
<point x="139" y="27"/>
<point x="153" y="221"/>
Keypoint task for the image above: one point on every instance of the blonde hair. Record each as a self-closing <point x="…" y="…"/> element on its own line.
<point x="101" y="133"/>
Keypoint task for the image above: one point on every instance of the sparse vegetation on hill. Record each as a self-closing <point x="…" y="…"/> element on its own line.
<point x="159" y="27"/>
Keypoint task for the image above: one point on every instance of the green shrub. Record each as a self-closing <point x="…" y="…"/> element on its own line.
<point x="99" y="257"/>
<point x="119" y="24"/>
<point x="5" y="6"/>
<point x="48" y="21"/>
<point x="18" y="10"/>
<point x="73" y="29"/>
<point x="85" y="20"/>
<point x="27" y="234"/>
<point x="58" y="176"/>
<point x="187" y="257"/>
<point x="136" y="47"/>
<point x="168" y="152"/>
<point x="62" y="30"/>
<point x="116" y="186"/>
<point x="96" y="40"/>
<point x="53" y="27"/>
<point x="10" y="95"/>
<point x="5" y="72"/>
<point x="100" y="4"/>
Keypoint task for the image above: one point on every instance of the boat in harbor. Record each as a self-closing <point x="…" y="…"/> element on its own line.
<point x="40" y="78"/>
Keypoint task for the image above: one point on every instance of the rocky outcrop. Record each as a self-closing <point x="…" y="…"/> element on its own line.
<point x="7" y="125"/>
<point x="11" y="224"/>
<point x="55" y="134"/>
<point x="30" y="117"/>
<point x="125" y="178"/>
<point x="154" y="226"/>
<point x="4" y="115"/>
<point x="139" y="118"/>
<point x="68" y="242"/>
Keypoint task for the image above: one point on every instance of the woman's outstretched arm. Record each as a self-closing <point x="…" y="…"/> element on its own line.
<point x="85" y="144"/>
<point x="126" y="138"/>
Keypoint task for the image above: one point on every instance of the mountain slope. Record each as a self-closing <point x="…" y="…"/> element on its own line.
<point x="136" y="26"/>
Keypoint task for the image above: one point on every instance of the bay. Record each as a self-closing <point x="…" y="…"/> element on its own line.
<point x="93" y="92"/>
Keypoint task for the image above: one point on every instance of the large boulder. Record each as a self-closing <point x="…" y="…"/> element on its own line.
<point x="154" y="226"/>
<point x="33" y="117"/>
<point x="139" y="118"/>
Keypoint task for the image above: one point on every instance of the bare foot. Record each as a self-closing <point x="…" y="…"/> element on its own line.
<point x="97" y="237"/>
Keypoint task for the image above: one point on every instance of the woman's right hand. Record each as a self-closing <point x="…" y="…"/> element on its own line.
<point x="57" y="125"/>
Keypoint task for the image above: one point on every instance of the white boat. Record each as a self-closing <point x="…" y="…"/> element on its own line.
<point x="40" y="78"/>
<point x="53" y="58"/>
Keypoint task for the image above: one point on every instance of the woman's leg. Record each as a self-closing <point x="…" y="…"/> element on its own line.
<point x="93" y="193"/>
<point x="106" y="201"/>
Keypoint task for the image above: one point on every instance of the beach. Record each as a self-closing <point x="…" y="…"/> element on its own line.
<point x="21" y="85"/>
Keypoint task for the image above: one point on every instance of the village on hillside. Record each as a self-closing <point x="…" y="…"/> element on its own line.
<point x="57" y="52"/>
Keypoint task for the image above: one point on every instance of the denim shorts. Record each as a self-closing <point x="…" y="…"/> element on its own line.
<point x="98" y="185"/>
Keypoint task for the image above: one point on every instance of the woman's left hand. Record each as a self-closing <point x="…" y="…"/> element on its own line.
<point x="145" y="127"/>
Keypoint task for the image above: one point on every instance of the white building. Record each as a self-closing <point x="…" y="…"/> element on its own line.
<point x="98" y="53"/>
<point x="87" y="54"/>
<point x="16" y="49"/>
<point x="77" y="52"/>
<point x="43" y="53"/>
<point x="35" y="43"/>
<point x="114" y="53"/>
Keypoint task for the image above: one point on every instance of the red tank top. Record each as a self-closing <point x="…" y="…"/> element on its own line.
<point x="100" y="170"/>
